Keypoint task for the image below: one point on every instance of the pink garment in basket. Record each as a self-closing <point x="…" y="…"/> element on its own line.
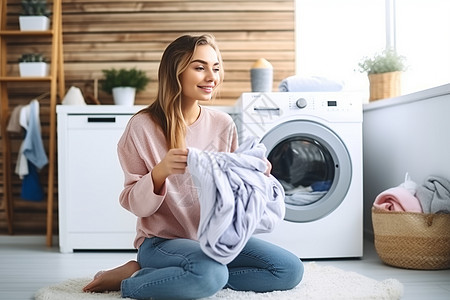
<point x="398" y="199"/>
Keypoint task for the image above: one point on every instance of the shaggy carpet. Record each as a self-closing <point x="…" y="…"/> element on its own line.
<point x="319" y="282"/>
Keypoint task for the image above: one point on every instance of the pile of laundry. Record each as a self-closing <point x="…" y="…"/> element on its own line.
<point x="237" y="198"/>
<point x="432" y="197"/>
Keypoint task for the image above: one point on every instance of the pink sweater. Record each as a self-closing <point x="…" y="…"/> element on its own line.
<point x="176" y="212"/>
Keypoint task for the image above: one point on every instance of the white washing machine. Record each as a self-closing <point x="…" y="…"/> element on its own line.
<point x="314" y="142"/>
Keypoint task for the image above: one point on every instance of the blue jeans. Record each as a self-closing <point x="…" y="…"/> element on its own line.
<point x="178" y="269"/>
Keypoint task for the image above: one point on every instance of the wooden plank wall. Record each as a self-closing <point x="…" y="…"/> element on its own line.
<point x="101" y="34"/>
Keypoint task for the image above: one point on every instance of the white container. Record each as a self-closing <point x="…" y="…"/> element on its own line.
<point x="124" y="95"/>
<point x="33" y="69"/>
<point x="34" y="23"/>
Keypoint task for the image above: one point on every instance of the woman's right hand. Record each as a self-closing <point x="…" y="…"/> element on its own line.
<point x="175" y="162"/>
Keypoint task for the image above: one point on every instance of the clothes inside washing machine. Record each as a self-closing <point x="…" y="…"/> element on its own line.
<point x="304" y="167"/>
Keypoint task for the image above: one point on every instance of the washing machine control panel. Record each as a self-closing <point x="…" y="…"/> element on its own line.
<point x="317" y="103"/>
<point x="269" y="108"/>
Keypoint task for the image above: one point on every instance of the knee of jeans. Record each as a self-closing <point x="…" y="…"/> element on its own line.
<point x="214" y="278"/>
<point x="293" y="274"/>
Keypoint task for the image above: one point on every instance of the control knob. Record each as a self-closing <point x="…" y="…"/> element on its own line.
<point x="301" y="103"/>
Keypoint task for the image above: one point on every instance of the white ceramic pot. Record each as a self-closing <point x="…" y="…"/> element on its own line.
<point x="34" y="23"/>
<point x="124" y="95"/>
<point x="33" y="69"/>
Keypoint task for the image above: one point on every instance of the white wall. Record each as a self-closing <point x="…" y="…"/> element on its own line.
<point x="406" y="134"/>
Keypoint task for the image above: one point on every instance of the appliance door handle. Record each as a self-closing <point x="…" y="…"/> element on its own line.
<point x="266" y="109"/>
<point x="101" y="120"/>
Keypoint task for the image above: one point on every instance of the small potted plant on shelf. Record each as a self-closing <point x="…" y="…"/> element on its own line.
<point x="384" y="71"/>
<point x="35" y="16"/>
<point x="33" y="65"/>
<point x="124" y="84"/>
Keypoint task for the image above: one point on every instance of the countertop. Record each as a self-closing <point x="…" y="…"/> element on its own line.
<point x="409" y="98"/>
<point x="118" y="109"/>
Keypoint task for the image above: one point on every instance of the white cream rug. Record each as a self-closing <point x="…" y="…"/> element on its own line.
<point x="319" y="282"/>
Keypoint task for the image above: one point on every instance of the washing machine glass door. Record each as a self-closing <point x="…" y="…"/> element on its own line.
<point x="312" y="164"/>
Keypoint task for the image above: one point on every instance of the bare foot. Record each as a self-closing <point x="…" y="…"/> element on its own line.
<point x="110" y="280"/>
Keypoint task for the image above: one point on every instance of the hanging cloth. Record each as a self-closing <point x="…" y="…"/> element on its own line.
<point x="32" y="156"/>
<point x="33" y="148"/>
<point x="14" y="120"/>
<point x="31" y="186"/>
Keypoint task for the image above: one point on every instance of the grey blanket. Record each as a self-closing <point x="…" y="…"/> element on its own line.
<point x="434" y="195"/>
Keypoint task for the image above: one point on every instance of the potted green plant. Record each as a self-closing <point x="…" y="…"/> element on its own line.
<point x="34" y="16"/>
<point x="33" y="65"/>
<point x="384" y="71"/>
<point x="124" y="84"/>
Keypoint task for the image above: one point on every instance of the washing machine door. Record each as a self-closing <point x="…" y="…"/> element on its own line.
<point x="312" y="164"/>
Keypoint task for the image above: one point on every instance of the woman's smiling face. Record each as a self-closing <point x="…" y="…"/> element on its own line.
<point x="202" y="75"/>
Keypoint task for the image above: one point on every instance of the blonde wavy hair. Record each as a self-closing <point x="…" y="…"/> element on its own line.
<point x="166" y="109"/>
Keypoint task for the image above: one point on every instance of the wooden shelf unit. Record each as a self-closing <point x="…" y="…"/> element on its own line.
<point x="57" y="87"/>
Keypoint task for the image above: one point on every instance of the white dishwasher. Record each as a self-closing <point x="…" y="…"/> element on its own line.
<point x="90" y="178"/>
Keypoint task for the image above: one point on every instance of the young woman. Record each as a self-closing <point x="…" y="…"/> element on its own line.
<point x="160" y="192"/>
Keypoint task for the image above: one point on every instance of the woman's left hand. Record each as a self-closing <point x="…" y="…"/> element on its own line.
<point x="269" y="167"/>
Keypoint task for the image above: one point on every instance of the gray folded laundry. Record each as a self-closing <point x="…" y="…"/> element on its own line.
<point x="434" y="195"/>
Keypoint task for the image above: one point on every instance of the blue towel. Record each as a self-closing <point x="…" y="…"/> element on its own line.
<point x="31" y="185"/>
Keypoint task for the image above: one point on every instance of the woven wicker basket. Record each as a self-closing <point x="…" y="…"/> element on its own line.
<point x="412" y="240"/>
<point x="384" y="85"/>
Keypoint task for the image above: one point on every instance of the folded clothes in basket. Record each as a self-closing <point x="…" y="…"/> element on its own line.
<point x="434" y="195"/>
<point x="397" y="199"/>
<point x="400" y="198"/>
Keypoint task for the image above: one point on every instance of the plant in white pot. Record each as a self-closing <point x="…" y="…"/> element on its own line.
<point x="33" y="65"/>
<point x="384" y="71"/>
<point x="35" y="16"/>
<point x="123" y="84"/>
